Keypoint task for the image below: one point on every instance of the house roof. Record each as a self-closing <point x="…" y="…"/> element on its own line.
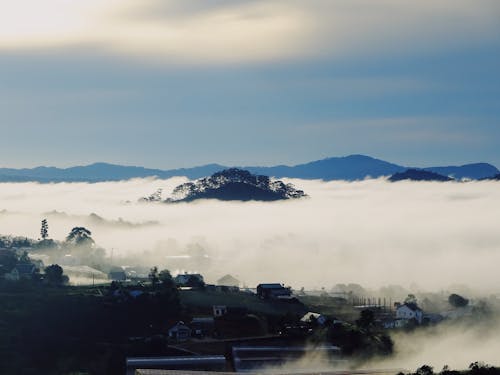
<point x="187" y="275"/>
<point x="307" y="317"/>
<point x="179" y="325"/>
<point x="271" y="286"/>
<point x="411" y="306"/>
<point x="228" y="279"/>
<point x="25" y="269"/>
<point x="203" y="320"/>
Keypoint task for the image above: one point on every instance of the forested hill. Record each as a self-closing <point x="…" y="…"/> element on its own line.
<point x="235" y="185"/>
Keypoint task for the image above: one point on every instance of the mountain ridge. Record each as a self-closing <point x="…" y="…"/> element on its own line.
<point x="351" y="167"/>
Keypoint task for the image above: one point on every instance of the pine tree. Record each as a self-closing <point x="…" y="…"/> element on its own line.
<point x="44" y="231"/>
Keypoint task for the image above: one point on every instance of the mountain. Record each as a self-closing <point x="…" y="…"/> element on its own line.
<point x="353" y="167"/>
<point x="475" y="171"/>
<point x="98" y="172"/>
<point x="235" y="185"/>
<point x="419" y="175"/>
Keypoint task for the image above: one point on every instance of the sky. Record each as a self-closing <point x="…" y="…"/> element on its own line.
<point x="178" y="83"/>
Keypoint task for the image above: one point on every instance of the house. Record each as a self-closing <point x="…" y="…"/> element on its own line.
<point x="228" y="280"/>
<point x="226" y="289"/>
<point x="231" y="311"/>
<point x="179" y="332"/>
<point x="202" y="326"/>
<point x="219" y="310"/>
<point x="189" y="279"/>
<point x="273" y="291"/>
<point x="117" y="275"/>
<point x="409" y="311"/>
<point x="314" y="318"/>
<point x="22" y="271"/>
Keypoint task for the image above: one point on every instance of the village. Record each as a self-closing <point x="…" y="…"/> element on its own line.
<point x="226" y="325"/>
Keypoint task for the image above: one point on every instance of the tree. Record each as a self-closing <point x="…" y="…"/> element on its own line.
<point x="24" y="258"/>
<point x="166" y="279"/>
<point x="153" y="276"/>
<point x="80" y="236"/>
<point x="8" y="261"/>
<point x="411" y="299"/>
<point x="44" y="231"/>
<point x="425" y="370"/>
<point x="54" y="275"/>
<point x="457" y="300"/>
<point x="366" y="319"/>
<point x="195" y="282"/>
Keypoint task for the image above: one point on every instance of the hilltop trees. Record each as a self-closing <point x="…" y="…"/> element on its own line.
<point x="80" y="236"/>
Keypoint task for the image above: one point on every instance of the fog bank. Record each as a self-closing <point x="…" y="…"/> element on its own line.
<point x="369" y="232"/>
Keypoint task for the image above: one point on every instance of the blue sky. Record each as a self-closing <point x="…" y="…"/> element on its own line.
<point x="181" y="83"/>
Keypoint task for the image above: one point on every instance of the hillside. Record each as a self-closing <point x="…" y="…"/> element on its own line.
<point x="235" y="185"/>
<point x="418" y="175"/>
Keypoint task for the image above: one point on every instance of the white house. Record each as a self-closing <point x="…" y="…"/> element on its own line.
<point x="311" y="317"/>
<point x="409" y="311"/>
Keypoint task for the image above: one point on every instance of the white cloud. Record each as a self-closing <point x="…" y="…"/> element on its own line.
<point x="246" y="31"/>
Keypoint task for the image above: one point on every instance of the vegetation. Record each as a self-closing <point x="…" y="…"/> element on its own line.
<point x="54" y="329"/>
<point x="457" y="300"/>
<point x="54" y="275"/>
<point x="419" y="175"/>
<point x="44" y="230"/>
<point x="475" y="368"/>
<point x="235" y="184"/>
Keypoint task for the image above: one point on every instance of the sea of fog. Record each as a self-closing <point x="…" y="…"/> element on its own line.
<point x="426" y="234"/>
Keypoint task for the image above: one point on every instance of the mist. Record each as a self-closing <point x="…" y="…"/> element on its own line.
<point x="422" y="234"/>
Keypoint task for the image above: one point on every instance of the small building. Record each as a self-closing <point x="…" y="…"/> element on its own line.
<point x="409" y="311"/>
<point x="226" y="289"/>
<point x="230" y="311"/>
<point x="202" y="326"/>
<point x="117" y="275"/>
<point x="189" y="279"/>
<point x="314" y="318"/>
<point x="273" y="291"/>
<point x="21" y="271"/>
<point x="219" y="310"/>
<point x="228" y="280"/>
<point x="179" y="332"/>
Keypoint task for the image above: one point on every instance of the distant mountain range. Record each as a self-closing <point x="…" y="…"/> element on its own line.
<point x="353" y="167"/>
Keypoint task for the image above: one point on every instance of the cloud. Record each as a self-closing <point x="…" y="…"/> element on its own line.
<point x="456" y="344"/>
<point x="370" y="232"/>
<point x="182" y="31"/>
